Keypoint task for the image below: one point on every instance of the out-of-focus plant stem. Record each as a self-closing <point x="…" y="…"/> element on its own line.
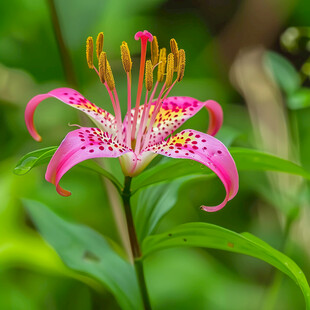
<point x="135" y="247"/>
<point x="63" y="51"/>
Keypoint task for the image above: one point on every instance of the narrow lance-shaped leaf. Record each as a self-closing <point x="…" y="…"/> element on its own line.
<point x="33" y="159"/>
<point x="246" y="159"/>
<point x="215" y="237"/>
<point x="84" y="250"/>
<point x="153" y="203"/>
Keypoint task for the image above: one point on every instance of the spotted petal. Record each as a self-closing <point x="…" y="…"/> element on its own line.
<point x="174" y="112"/>
<point x="207" y="150"/>
<point x="103" y="119"/>
<point x="79" y="145"/>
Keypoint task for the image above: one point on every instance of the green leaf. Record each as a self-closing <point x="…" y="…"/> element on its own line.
<point x="152" y="203"/>
<point x="246" y="159"/>
<point x="250" y="159"/>
<point x="215" y="237"/>
<point x="299" y="99"/>
<point x="84" y="250"/>
<point x="33" y="159"/>
<point x="283" y="72"/>
<point x="42" y="156"/>
<point x="227" y="135"/>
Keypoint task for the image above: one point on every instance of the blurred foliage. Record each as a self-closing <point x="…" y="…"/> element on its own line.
<point x="32" y="275"/>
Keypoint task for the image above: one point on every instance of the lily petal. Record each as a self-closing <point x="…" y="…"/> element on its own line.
<point x="209" y="151"/>
<point x="79" y="145"/>
<point x="103" y="119"/>
<point x="174" y="112"/>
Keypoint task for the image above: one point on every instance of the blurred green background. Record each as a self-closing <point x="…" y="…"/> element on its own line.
<point x="225" y="43"/>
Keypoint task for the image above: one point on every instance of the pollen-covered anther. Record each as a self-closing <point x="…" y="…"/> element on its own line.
<point x="102" y="66"/>
<point x="181" y="67"/>
<point x="162" y="64"/>
<point x="148" y="75"/>
<point x="170" y="70"/>
<point x="175" y="52"/>
<point x="154" y="51"/>
<point x="126" y="59"/>
<point x="99" y="44"/>
<point x="89" y="52"/>
<point x="109" y="77"/>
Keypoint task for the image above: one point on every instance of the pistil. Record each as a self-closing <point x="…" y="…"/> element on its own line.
<point x="144" y="36"/>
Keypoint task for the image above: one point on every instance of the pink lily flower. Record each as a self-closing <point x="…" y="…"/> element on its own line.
<point x="138" y="141"/>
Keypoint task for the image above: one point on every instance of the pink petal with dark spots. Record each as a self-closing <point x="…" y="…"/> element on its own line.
<point x="103" y="119"/>
<point x="175" y="111"/>
<point x="207" y="150"/>
<point x="79" y="145"/>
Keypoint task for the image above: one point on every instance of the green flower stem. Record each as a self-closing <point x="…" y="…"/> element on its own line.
<point x="135" y="247"/>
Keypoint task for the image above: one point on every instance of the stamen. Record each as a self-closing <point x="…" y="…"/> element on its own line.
<point x="126" y="59"/>
<point x="148" y="75"/>
<point x="154" y="114"/>
<point x="102" y="66"/>
<point x="89" y="52"/>
<point x="162" y="65"/>
<point x="175" y="52"/>
<point x="170" y="70"/>
<point x="154" y="51"/>
<point x="128" y="128"/>
<point x="181" y="67"/>
<point x="99" y="44"/>
<point x="109" y="77"/>
<point x="118" y="116"/>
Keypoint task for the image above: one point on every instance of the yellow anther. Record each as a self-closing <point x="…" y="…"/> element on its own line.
<point x="102" y="66"/>
<point x="175" y="52"/>
<point x="170" y="70"/>
<point x="148" y="75"/>
<point x="89" y="52"/>
<point x="126" y="59"/>
<point x="99" y="44"/>
<point x="154" y="51"/>
<point x="181" y="67"/>
<point x="162" y="65"/>
<point x="109" y="77"/>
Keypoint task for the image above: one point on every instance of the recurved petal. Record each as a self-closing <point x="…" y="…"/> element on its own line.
<point x="103" y="119"/>
<point x="79" y="145"/>
<point x="177" y="110"/>
<point x="174" y="112"/>
<point x="209" y="151"/>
